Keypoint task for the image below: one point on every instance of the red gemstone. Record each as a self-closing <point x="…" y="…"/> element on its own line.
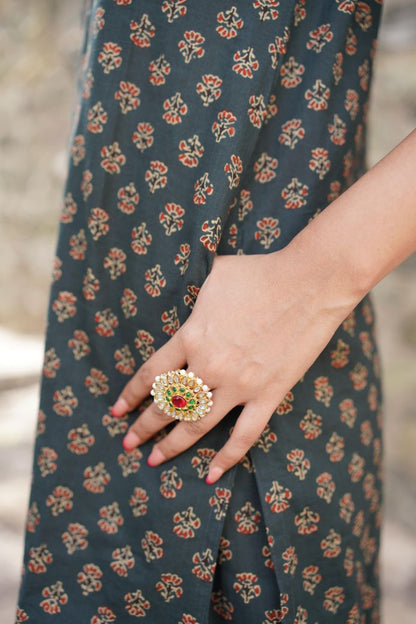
<point x="178" y="401"/>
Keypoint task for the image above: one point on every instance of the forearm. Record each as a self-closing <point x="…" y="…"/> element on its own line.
<point x="366" y="232"/>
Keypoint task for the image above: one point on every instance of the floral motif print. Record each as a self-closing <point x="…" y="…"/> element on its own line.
<point x="196" y="133"/>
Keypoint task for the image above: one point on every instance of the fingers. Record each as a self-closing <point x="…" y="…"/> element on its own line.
<point x="182" y="436"/>
<point x="168" y="357"/>
<point x="246" y="432"/>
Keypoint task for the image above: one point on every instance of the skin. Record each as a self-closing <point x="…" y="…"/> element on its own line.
<point x="261" y="320"/>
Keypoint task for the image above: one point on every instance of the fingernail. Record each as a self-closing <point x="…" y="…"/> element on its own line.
<point x="120" y="407"/>
<point x="214" y="474"/>
<point x="156" y="457"/>
<point x="130" y="441"/>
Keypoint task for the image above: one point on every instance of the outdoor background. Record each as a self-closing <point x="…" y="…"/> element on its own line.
<point x="39" y="45"/>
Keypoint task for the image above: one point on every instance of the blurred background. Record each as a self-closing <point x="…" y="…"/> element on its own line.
<point x="39" y="46"/>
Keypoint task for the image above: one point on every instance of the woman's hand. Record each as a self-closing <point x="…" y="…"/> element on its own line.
<point x="258" y="324"/>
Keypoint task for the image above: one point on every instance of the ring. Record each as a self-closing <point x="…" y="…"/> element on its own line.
<point x="181" y="395"/>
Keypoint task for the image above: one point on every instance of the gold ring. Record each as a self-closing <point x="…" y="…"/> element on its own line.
<point x="181" y="395"/>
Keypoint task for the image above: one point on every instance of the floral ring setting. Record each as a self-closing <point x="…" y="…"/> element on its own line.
<point x="181" y="395"/>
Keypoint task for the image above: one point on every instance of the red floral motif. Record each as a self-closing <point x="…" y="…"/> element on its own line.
<point x="307" y="521"/>
<point x="97" y="117"/>
<point x="39" y="559"/>
<point x="170" y="482"/>
<point x="152" y="546"/>
<point x="245" y="62"/>
<point x="318" y="96"/>
<point x="279" y="47"/>
<point x="326" y="486"/>
<point x="186" y="523"/>
<point x="277" y="497"/>
<point x="114" y="262"/>
<point x="110" y="57"/>
<point x="335" y="447"/>
<point x="96" y="382"/>
<point x="331" y="544"/>
<point x="47" y="461"/>
<point x="80" y="440"/>
<point x="334" y="597"/>
<point x="229" y="23"/>
<point x="142" y="32"/>
<point x="298" y="464"/>
<point x="220" y="502"/>
<point x="175" y="108"/>
<point x="60" y="500"/>
<point x="246" y="586"/>
<point x="123" y="560"/>
<point x="290" y="559"/>
<point x="171" y="218"/>
<point x="96" y="478"/>
<point x="294" y="194"/>
<point x="138" y="502"/>
<point x="112" y="158"/>
<point x="106" y="322"/>
<point x="127" y="303"/>
<point x="137" y="605"/>
<point x="359" y="376"/>
<point x="202" y="187"/>
<point x="212" y="233"/>
<point x="291" y="73"/>
<point x="78" y="149"/>
<point x="319" y="38"/>
<point x="141" y="239"/>
<point x="104" y="615"/>
<point x="127" y="96"/>
<point x="143" y="136"/>
<point x="54" y="597"/>
<point x="202" y="460"/>
<point x="319" y="162"/>
<point x="156" y="176"/>
<point x="222" y="605"/>
<point x="209" y="89"/>
<point x="323" y="390"/>
<point x="130" y="462"/>
<point x="159" y="68"/>
<point x="125" y="360"/>
<point x="90" y="285"/>
<point x="224" y="127"/>
<point x="64" y="401"/>
<point x="110" y="518"/>
<point x="144" y="343"/>
<point x="64" y="305"/>
<point x="285" y="406"/>
<point x="264" y="168"/>
<point x="267" y="232"/>
<point x="267" y="9"/>
<point x="97" y="223"/>
<point x="69" y="209"/>
<point x="204" y="567"/>
<point x="75" y="538"/>
<point x="339" y="356"/>
<point x="89" y="579"/>
<point x="51" y="363"/>
<point x="311" y="578"/>
<point x="169" y="586"/>
<point x="233" y="169"/>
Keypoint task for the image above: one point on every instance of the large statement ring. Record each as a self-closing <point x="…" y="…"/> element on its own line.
<point x="181" y="395"/>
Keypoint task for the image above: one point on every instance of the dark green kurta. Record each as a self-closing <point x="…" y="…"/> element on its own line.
<point x="203" y="128"/>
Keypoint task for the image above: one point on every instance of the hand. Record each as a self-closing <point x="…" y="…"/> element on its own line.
<point x="258" y="324"/>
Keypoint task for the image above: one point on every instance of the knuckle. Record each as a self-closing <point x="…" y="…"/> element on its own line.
<point x="145" y="375"/>
<point x="195" y="428"/>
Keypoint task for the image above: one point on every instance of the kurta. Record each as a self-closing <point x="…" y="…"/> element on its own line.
<point x="203" y="128"/>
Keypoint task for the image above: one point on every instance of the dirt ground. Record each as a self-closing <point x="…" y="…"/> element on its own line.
<point x="39" y="43"/>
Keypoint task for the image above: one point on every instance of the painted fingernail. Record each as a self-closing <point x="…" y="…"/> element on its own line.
<point x="130" y="441"/>
<point x="214" y="474"/>
<point x="156" y="457"/>
<point x="120" y="407"/>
